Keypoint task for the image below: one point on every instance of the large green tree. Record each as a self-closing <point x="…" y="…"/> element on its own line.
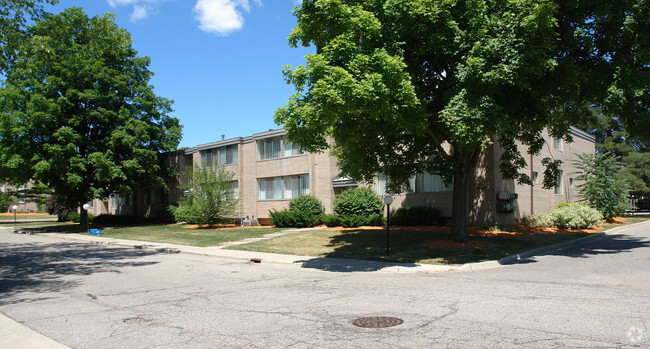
<point x="408" y="86"/>
<point x="77" y="112"/>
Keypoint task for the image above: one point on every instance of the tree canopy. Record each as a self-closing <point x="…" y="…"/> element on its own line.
<point x="408" y="86"/>
<point x="77" y="112"/>
<point x="14" y="15"/>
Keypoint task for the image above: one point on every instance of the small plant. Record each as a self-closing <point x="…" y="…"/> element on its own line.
<point x="499" y="228"/>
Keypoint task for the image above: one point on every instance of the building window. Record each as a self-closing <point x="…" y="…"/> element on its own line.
<point x="232" y="192"/>
<point x="558" y="184"/>
<point x="227" y="155"/>
<point x="276" y="147"/>
<point x="535" y="177"/>
<point x="207" y="158"/>
<point x="557" y="143"/>
<point x="287" y="187"/>
<point x="430" y="183"/>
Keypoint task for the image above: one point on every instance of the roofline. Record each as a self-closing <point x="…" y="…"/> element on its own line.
<point x="582" y="134"/>
<point x="237" y="140"/>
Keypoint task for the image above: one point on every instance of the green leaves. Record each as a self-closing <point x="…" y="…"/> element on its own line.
<point x="79" y="112"/>
<point x="602" y="188"/>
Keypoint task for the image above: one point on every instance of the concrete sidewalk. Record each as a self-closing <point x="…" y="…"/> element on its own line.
<point x="15" y="335"/>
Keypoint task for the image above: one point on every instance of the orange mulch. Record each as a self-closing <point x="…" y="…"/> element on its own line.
<point x="517" y="231"/>
<point x="20" y="214"/>
<point x="225" y="226"/>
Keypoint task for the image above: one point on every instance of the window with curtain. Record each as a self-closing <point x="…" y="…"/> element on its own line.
<point x="430" y="183"/>
<point x="287" y="187"/>
<point x="558" y="183"/>
<point x="276" y="147"/>
<point x="207" y="158"/>
<point x="227" y="155"/>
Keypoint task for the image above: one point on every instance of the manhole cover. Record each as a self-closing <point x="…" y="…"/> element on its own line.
<point x="377" y="322"/>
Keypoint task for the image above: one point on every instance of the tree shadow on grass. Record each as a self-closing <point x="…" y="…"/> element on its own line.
<point x="42" y="268"/>
<point x="409" y="247"/>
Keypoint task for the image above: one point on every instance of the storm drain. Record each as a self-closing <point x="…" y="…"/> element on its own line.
<point x="377" y="322"/>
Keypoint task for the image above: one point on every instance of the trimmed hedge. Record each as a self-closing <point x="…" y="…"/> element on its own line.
<point x="304" y="211"/>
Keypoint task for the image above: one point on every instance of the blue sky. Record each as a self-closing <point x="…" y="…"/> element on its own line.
<point x="219" y="60"/>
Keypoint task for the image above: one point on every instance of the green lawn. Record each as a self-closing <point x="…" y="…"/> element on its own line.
<point x="406" y="246"/>
<point x="172" y="234"/>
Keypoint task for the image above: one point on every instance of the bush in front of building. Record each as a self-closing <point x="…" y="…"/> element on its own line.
<point x="75" y="217"/>
<point x="331" y="220"/>
<point x="576" y="216"/>
<point x="416" y="215"/>
<point x="167" y="214"/>
<point x="568" y="215"/>
<point x="304" y="211"/>
<point x="538" y="220"/>
<point x="307" y="204"/>
<point x="358" y="202"/>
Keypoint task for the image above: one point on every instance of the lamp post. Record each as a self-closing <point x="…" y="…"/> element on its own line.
<point x="15" y="207"/>
<point x="86" y="207"/>
<point x="388" y="200"/>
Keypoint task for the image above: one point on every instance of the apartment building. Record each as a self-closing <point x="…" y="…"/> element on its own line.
<point x="270" y="171"/>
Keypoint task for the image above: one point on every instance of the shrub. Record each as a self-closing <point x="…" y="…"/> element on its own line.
<point x="307" y="204"/>
<point x="538" y="220"/>
<point x="167" y="214"/>
<point x="417" y="215"/>
<point x="187" y="214"/>
<point x="53" y="207"/>
<point x="283" y="219"/>
<point x="353" y="221"/>
<point x="75" y="217"/>
<point x="576" y="216"/>
<point x="331" y="220"/>
<point x="377" y="220"/>
<point x="358" y="202"/>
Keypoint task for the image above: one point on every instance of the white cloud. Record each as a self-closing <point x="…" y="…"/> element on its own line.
<point x="141" y="8"/>
<point x="221" y="16"/>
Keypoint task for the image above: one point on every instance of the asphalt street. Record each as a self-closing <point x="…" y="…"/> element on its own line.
<point x="595" y="294"/>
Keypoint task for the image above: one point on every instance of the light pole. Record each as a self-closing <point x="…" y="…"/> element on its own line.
<point x="388" y="200"/>
<point x="15" y="207"/>
<point x="86" y="207"/>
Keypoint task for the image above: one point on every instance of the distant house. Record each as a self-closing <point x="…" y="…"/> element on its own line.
<point x="270" y="171"/>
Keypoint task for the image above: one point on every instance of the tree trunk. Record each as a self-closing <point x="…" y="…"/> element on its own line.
<point x="459" y="204"/>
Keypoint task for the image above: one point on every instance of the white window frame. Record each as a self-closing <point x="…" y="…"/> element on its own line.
<point x="276" y="148"/>
<point x="282" y="188"/>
